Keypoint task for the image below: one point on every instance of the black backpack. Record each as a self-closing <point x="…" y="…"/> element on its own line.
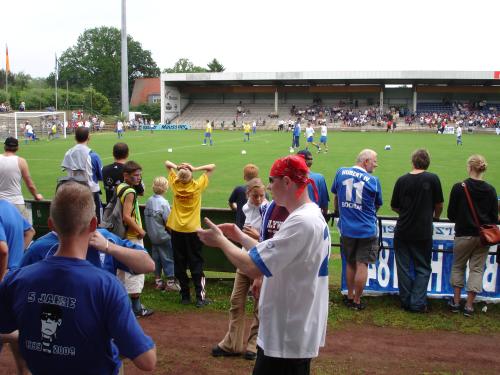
<point x="112" y="216"/>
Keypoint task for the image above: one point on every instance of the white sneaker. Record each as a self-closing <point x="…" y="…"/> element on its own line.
<point x="172" y="286"/>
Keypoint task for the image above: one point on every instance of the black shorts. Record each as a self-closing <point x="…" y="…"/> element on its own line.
<point x="363" y="250"/>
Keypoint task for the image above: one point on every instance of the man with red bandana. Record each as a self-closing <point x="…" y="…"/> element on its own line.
<point x="293" y="304"/>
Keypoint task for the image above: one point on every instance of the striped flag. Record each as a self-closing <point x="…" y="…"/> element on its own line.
<point x="7" y="64"/>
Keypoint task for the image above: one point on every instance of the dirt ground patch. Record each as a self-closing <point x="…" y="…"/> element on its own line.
<point x="184" y="341"/>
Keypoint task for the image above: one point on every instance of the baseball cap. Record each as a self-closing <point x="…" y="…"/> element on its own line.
<point x="11" y="142"/>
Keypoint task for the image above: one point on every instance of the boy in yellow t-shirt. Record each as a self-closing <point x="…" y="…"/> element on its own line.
<point x="183" y="221"/>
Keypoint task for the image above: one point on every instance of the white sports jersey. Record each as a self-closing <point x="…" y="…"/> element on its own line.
<point x="309" y="132"/>
<point x="459" y="131"/>
<point x="293" y="304"/>
<point x="324" y="130"/>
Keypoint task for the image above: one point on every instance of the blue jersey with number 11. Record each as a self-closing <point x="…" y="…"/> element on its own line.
<point x="359" y="195"/>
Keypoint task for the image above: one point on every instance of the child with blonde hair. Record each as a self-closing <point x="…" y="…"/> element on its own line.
<point x="156" y="214"/>
<point x="256" y="195"/>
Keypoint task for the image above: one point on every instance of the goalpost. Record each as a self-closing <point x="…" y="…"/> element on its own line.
<point x="13" y="124"/>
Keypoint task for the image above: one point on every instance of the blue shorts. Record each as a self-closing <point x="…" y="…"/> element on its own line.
<point x="310" y="139"/>
<point x="322" y="139"/>
<point x="208" y="135"/>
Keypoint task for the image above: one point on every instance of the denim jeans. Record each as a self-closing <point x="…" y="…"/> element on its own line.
<point x="413" y="255"/>
<point x="163" y="256"/>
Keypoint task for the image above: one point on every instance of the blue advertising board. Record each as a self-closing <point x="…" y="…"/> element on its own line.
<point x="166" y="127"/>
<point x="383" y="279"/>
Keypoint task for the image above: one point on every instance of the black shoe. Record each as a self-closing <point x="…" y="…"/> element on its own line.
<point x="250" y="355"/>
<point x="203" y="302"/>
<point x="185" y="301"/>
<point x="452" y="306"/>
<point x="468" y="312"/>
<point x="217" y="351"/>
<point x="347" y="301"/>
<point x="358" y="306"/>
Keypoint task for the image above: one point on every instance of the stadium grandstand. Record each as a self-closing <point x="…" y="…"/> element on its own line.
<point x="349" y="98"/>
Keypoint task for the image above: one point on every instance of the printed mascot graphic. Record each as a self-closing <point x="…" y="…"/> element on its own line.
<point x="51" y="318"/>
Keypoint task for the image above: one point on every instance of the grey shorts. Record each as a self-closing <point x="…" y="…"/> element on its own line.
<point x="363" y="250"/>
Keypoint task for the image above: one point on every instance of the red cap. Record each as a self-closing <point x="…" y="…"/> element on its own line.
<point x="294" y="167"/>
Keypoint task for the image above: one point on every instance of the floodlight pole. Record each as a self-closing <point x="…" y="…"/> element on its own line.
<point x="124" y="62"/>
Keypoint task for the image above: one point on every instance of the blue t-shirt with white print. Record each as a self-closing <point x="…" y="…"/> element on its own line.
<point x="72" y="317"/>
<point x="359" y="195"/>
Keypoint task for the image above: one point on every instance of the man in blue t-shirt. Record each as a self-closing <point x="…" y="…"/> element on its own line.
<point x="106" y="250"/>
<point x="322" y="200"/>
<point x="15" y="234"/>
<point x="71" y="316"/>
<point x="358" y="196"/>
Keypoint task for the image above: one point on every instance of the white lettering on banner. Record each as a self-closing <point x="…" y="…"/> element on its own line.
<point x="490" y="274"/>
<point x="372" y="273"/>
<point x="395" y="279"/>
<point x="437" y="269"/>
<point x="384" y="272"/>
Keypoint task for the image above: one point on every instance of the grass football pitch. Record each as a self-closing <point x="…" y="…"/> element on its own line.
<point x="151" y="150"/>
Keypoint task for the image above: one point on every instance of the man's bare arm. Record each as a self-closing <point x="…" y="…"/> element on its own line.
<point x="25" y="173"/>
<point x="28" y="236"/>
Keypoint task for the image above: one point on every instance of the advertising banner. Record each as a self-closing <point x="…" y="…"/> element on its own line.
<point x="383" y="279"/>
<point x="166" y="127"/>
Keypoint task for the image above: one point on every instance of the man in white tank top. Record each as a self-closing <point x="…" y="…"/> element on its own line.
<point x="12" y="169"/>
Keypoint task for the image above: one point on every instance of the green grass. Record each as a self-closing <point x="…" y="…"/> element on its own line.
<point x="150" y="150"/>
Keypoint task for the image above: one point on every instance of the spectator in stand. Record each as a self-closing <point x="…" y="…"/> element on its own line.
<point x="80" y="160"/>
<point x="156" y="215"/>
<point x="133" y="283"/>
<point x="22" y="107"/>
<point x="13" y="169"/>
<point x="417" y="198"/>
<point x="467" y="247"/>
<point x="92" y="320"/>
<point x="238" y="197"/>
<point x="183" y="222"/>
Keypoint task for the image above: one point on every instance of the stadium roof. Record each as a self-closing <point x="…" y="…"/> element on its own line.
<point x="487" y="78"/>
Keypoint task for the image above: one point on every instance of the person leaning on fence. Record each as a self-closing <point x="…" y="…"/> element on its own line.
<point x="134" y="284"/>
<point x="293" y="302"/>
<point x="358" y="196"/>
<point x="467" y="245"/>
<point x="13" y="169"/>
<point x="183" y="222"/>
<point x="156" y="214"/>
<point x="72" y="317"/>
<point x="417" y="198"/>
<point x="238" y="197"/>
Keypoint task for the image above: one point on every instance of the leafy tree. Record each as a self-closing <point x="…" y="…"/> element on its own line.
<point x="184" y="65"/>
<point x="95" y="60"/>
<point x="153" y="110"/>
<point x="215" y="66"/>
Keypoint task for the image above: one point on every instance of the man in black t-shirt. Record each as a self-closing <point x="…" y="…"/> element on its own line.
<point x="238" y="197"/>
<point x="417" y="198"/>
<point x="112" y="174"/>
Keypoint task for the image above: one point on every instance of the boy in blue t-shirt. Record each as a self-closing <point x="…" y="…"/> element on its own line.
<point x="358" y="196"/>
<point x="72" y="317"/>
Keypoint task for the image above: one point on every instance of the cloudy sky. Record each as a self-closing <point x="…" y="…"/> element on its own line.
<point x="267" y="35"/>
